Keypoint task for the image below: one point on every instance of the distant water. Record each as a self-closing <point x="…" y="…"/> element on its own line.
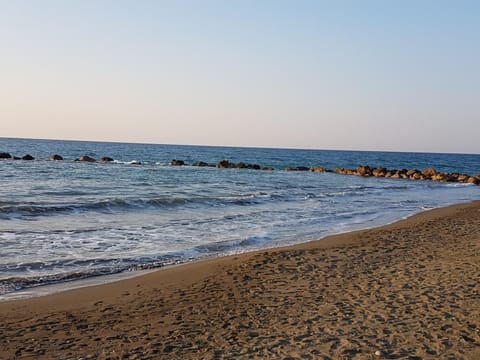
<point x="62" y="221"/>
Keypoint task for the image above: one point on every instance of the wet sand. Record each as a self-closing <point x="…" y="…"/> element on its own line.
<point x="410" y="290"/>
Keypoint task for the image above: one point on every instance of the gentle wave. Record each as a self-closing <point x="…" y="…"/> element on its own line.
<point x="117" y="204"/>
<point x="14" y="209"/>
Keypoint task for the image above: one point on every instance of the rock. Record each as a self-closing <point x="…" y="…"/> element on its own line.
<point x="28" y="157"/>
<point x="298" y="168"/>
<point x="428" y="173"/>
<point x="462" y="178"/>
<point x="55" y="157"/>
<point x="254" y="166"/>
<point x="302" y="168"/>
<point x="225" y="164"/>
<point x="5" y="156"/>
<point x="364" y="171"/>
<point x="473" y="180"/>
<point x="416" y="175"/>
<point x="134" y="162"/>
<point x="453" y="177"/>
<point x="201" y="164"/>
<point x="106" y="159"/>
<point x="379" y="172"/>
<point x="439" y="177"/>
<point x="240" y="165"/>
<point x="86" y="158"/>
<point x="267" y="168"/>
<point x="175" y="162"/>
<point x="343" y="171"/>
<point x="411" y="172"/>
<point x="317" y="169"/>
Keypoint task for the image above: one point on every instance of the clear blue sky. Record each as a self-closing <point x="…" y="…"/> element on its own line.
<point x="379" y="75"/>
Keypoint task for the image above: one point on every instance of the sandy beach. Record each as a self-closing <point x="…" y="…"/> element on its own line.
<point x="410" y="290"/>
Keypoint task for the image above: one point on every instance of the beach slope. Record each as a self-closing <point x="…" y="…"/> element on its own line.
<point x="406" y="290"/>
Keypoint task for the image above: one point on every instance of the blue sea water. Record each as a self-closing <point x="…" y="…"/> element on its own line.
<point x="67" y="220"/>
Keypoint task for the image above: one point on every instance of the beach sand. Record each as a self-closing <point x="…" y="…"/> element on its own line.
<point x="410" y="290"/>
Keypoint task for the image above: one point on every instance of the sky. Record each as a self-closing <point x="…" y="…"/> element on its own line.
<point x="359" y="75"/>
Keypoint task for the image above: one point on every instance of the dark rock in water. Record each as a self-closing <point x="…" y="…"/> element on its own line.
<point x="200" y="163"/>
<point x="5" y="156"/>
<point x="175" y="162"/>
<point x="267" y="168"/>
<point x="254" y="166"/>
<point x="302" y="168"/>
<point x="55" y="157"/>
<point x="28" y="157"/>
<point x="298" y="168"/>
<point x="452" y="177"/>
<point x="224" y="164"/>
<point x="17" y="158"/>
<point x="106" y="159"/>
<point x="86" y="158"/>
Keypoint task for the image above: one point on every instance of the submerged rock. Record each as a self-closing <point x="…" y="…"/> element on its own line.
<point x="28" y="157"/>
<point x="106" y="159"/>
<point x="201" y="164"/>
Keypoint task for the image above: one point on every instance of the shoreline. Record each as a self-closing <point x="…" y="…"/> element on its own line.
<point x="98" y="280"/>
<point x="412" y="283"/>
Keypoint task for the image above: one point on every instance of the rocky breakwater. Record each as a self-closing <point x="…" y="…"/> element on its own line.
<point x="8" y="156"/>
<point x="226" y="164"/>
<point x="410" y="174"/>
<point x="364" y="170"/>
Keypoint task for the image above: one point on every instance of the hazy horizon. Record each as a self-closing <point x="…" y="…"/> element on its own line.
<point x="273" y="74"/>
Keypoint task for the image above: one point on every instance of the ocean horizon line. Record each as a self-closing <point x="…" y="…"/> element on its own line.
<point x="252" y="147"/>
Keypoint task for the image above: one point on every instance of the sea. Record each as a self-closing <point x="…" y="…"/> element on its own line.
<point x="62" y="221"/>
